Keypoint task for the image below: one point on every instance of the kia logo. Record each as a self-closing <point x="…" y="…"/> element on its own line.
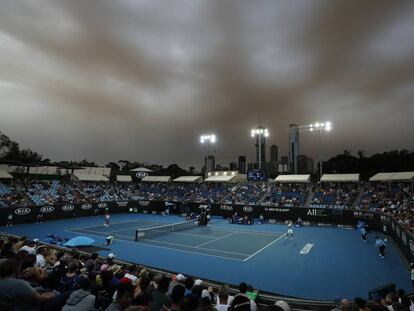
<point x="22" y="211"/>
<point x="102" y="205"/>
<point x="86" y="206"/>
<point x="141" y="174"/>
<point x="47" y="209"/>
<point x="68" y="208"/>
<point x="247" y="209"/>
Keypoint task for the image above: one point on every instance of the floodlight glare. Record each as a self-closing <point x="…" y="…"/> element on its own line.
<point x="311" y="129"/>
<point x="317" y="124"/>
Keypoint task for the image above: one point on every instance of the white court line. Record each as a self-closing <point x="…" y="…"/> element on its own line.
<point x="264" y="247"/>
<point x="262" y="233"/>
<point x="174" y="244"/>
<point x="169" y="248"/>
<point x="216" y="239"/>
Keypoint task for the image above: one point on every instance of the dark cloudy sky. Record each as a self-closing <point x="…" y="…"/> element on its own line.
<point x="141" y="80"/>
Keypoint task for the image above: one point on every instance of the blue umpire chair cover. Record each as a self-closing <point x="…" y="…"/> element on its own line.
<point x="79" y="241"/>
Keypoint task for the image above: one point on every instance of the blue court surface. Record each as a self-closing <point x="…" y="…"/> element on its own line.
<point x="318" y="263"/>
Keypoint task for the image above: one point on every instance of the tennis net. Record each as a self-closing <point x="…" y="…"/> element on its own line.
<point x="150" y="232"/>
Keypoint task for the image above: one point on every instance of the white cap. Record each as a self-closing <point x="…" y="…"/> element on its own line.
<point x="283" y="305"/>
<point x="205" y="293"/>
<point x="111" y="255"/>
<point x="180" y="277"/>
<point x="198" y="282"/>
<point x="35" y="240"/>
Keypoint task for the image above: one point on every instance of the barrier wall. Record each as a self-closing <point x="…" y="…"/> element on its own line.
<point x="323" y="217"/>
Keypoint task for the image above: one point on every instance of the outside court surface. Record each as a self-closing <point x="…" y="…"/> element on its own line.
<point x="319" y="263"/>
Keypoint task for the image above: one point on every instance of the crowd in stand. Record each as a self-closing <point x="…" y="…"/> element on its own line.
<point x="395" y="199"/>
<point x="36" y="277"/>
<point x="334" y="196"/>
<point x="54" y="192"/>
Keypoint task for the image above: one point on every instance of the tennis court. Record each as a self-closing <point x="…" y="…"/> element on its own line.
<point x="319" y="263"/>
<point x="188" y="237"/>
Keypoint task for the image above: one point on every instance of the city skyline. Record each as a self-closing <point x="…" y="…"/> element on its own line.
<point x="142" y="80"/>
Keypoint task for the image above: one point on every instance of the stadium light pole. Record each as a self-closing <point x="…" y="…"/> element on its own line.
<point x="207" y="140"/>
<point x="319" y="127"/>
<point x="260" y="133"/>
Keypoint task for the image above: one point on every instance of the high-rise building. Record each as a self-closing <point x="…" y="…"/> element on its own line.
<point x="242" y="164"/>
<point x="233" y="166"/>
<point x="305" y="164"/>
<point x="209" y="163"/>
<point x="293" y="148"/>
<point x="274" y="154"/>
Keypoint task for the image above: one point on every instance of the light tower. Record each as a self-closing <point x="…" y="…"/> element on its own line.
<point x="260" y="133"/>
<point x="319" y="127"/>
<point x="209" y="162"/>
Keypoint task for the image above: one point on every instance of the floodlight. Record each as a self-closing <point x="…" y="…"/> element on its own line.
<point x="317" y="124"/>
<point x="311" y="129"/>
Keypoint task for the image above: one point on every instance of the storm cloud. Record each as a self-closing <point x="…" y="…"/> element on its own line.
<point x="141" y="80"/>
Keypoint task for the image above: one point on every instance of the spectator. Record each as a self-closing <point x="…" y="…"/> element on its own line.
<point x="177" y="299"/>
<point x="283" y="305"/>
<point x="15" y="293"/>
<point x="69" y="280"/>
<point x="241" y="303"/>
<point x="160" y="297"/>
<point x="81" y="299"/>
<point x="223" y="298"/>
<point x="243" y="291"/>
<point x="124" y="297"/>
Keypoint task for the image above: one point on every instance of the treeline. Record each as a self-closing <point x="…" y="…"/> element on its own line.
<point x="391" y="161"/>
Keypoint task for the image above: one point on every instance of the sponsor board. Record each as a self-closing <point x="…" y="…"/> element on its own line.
<point x="276" y="209"/>
<point x="22" y="211"/>
<point x="86" y="206"/>
<point x="144" y="203"/>
<point x="364" y="215"/>
<point x="122" y="204"/>
<point x="68" y="208"/>
<point x="141" y="175"/>
<point x="47" y="209"/>
<point x="224" y="207"/>
<point x="320" y="224"/>
<point x="316" y="212"/>
<point x="102" y="205"/>
<point x="247" y="209"/>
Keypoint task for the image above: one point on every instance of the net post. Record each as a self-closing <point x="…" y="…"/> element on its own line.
<point x="136" y="235"/>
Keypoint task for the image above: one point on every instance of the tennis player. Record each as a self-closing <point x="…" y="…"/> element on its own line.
<point x="381" y="244"/>
<point x="364" y="234"/>
<point x="289" y="232"/>
<point x="107" y="218"/>
<point x="109" y="239"/>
